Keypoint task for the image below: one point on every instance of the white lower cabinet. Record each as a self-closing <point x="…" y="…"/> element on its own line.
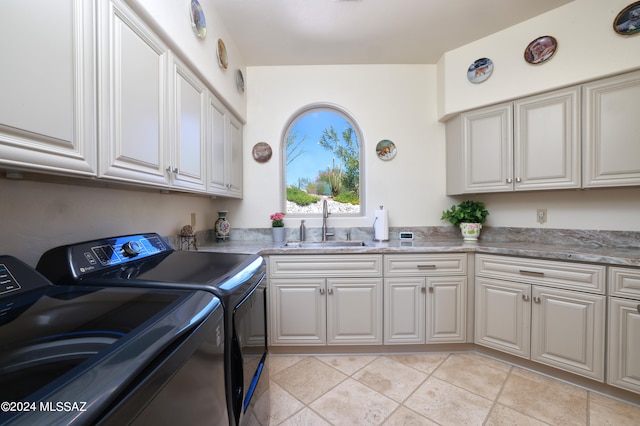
<point x="623" y="369"/>
<point x="326" y="300"/>
<point x="555" y="326"/>
<point x="425" y="298"/>
<point x="319" y="311"/>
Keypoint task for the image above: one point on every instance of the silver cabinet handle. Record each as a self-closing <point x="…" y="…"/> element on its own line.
<point x="531" y="273"/>
<point x="430" y="289"/>
<point x="330" y="291"/>
<point x="536" y="300"/>
<point x="322" y="291"/>
<point x="509" y="180"/>
<point x="423" y="290"/>
<point x="525" y="297"/>
<point x="518" y="180"/>
<point x="172" y="169"/>
<point x="426" y="267"/>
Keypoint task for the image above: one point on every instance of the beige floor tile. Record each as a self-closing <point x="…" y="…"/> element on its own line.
<point x="348" y="364"/>
<point x="473" y="373"/>
<point x="305" y="417"/>
<point x="545" y="399"/>
<point x="405" y="417"/>
<point x="447" y="404"/>
<point x="505" y="416"/>
<point x="308" y="379"/>
<point x="426" y="363"/>
<point x="608" y="411"/>
<point x="282" y="404"/>
<point x="352" y="403"/>
<point x="390" y="378"/>
<point x="278" y="363"/>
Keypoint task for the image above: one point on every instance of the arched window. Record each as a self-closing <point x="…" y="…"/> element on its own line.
<point x="322" y="151"/>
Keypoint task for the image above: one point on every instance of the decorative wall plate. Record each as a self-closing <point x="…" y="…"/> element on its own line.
<point x="540" y="49"/>
<point x="261" y="152"/>
<point x="240" y="81"/>
<point x="386" y="150"/>
<point x="480" y="70"/>
<point x="198" y="23"/>
<point x="223" y="59"/>
<point x="628" y="20"/>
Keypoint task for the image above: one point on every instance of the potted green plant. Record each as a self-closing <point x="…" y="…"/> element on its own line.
<point x="469" y="216"/>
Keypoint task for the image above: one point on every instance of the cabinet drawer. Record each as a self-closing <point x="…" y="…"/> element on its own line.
<point x="572" y="276"/>
<point x="340" y="265"/>
<point x="624" y="282"/>
<point x="397" y="265"/>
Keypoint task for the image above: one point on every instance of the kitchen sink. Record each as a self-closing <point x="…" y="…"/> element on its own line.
<point x="326" y="244"/>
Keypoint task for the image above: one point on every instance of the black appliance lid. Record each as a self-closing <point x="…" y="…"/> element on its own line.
<point x="113" y="261"/>
<point x="82" y="345"/>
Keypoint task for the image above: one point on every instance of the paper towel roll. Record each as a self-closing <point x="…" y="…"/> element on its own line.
<point x="381" y="225"/>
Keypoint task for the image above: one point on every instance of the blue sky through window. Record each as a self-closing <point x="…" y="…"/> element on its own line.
<point x="315" y="158"/>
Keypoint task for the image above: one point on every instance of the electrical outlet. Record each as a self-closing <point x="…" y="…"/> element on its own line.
<point x="541" y="215"/>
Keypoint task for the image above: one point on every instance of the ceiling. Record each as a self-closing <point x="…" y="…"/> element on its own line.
<point x="317" y="32"/>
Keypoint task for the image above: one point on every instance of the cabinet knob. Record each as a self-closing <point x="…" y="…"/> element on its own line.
<point x="430" y="289"/>
<point x="330" y="291"/>
<point x="536" y="300"/>
<point x="525" y="297"/>
<point x="423" y="290"/>
<point x="322" y="291"/>
<point x="509" y="180"/>
<point x="518" y="180"/>
<point x="638" y="307"/>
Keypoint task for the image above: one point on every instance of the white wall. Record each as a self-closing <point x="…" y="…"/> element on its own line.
<point x="37" y="216"/>
<point x="396" y="102"/>
<point x="588" y="48"/>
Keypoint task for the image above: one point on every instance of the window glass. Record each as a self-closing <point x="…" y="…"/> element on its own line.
<point x="322" y="161"/>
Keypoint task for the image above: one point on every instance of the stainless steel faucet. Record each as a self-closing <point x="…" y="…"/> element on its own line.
<point x="325" y="215"/>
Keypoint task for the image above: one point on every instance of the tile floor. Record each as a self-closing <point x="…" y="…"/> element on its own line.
<point x="429" y="389"/>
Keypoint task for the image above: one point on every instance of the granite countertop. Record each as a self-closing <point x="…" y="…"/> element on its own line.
<point x="605" y="255"/>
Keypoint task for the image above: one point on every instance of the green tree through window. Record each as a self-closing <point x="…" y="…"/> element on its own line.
<point x="322" y="161"/>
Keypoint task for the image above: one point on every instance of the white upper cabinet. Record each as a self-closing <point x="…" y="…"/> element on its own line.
<point x="530" y="144"/>
<point x="188" y="150"/>
<point x="480" y="151"/>
<point x="611" y="131"/>
<point x="225" y="151"/>
<point x="133" y="63"/>
<point x="47" y="86"/>
<point x="547" y="141"/>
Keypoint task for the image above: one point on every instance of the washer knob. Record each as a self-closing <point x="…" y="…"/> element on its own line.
<point x="131" y="248"/>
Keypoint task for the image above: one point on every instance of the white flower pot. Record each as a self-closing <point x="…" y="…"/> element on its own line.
<point x="470" y="231"/>
<point x="278" y="234"/>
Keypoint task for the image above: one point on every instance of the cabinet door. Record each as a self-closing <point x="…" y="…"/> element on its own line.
<point x="216" y="157"/>
<point x="624" y="344"/>
<point x="298" y="311"/>
<point x="354" y="311"/>
<point x="187" y="162"/>
<point x="47" y="87"/>
<point x="235" y="160"/>
<point x="133" y="91"/>
<point x="547" y="141"/>
<point x="503" y="316"/>
<point x="567" y="331"/>
<point x="480" y="151"/>
<point x="404" y="310"/>
<point x="610" y="131"/>
<point x="446" y="310"/>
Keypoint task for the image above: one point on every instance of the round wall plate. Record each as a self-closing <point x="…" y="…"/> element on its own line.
<point x="198" y="23"/>
<point x="386" y="150"/>
<point x="480" y="70"/>
<point x="540" y="50"/>
<point x="223" y="58"/>
<point x="261" y="152"/>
